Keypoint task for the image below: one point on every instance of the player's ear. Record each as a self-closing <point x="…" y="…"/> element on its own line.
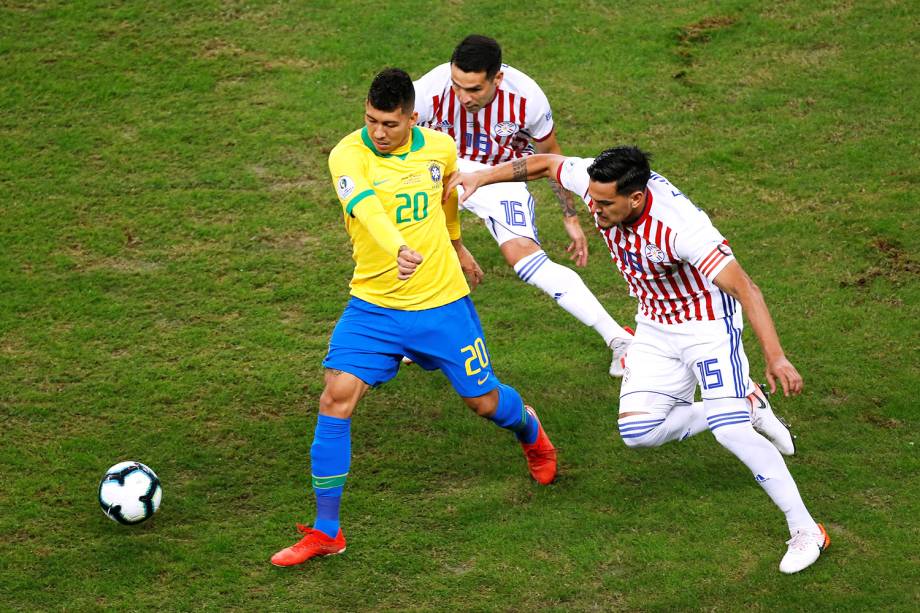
<point x="413" y="118"/>
<point x="498" y="78"/>
<point x="637" y="199"/>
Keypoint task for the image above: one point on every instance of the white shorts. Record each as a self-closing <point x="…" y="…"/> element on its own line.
<point x="506" y="208"/>
<point x="673" y="359"/>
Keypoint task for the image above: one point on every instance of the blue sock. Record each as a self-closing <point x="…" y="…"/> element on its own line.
<point x="511" y="415"/>
<point x="330" y="456"/>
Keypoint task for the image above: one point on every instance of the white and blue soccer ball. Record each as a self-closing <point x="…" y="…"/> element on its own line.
<point x="130" y="492"/>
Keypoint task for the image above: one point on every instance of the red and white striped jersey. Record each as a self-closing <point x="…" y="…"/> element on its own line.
<point x="669" y="256"/>
<point x="503" y="130"/>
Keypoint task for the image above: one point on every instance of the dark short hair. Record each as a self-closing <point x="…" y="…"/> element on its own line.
<point x="477" y="53"/>
<point x="626" y="165"/>
<point x="392" y="89"/>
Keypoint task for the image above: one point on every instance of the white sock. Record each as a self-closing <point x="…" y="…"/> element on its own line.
<point x="686" y="420"/>
<point x="570" y="292"/>
<point x="728" y="424"/>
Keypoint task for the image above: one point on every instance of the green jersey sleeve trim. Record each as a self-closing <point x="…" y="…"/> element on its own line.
<point x="358" y="198"/>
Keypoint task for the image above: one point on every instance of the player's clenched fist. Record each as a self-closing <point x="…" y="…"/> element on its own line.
<point x="407" y="261"/>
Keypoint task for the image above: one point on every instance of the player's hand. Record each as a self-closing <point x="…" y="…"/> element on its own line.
<point x="468" y="181"/>
<point x="407" y="261"/>
<point x="789" y="377"/>
<point x="578" y="248"/>
<point x="470" y="267"/>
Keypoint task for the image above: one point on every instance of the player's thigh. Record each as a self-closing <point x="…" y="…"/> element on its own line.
<point x="654" y="367"/>
<point x="367" y="342"/>
<point x="717" y="358"/>
<point x="450" y="338"/>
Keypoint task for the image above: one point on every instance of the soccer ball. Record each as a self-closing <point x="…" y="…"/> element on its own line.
<point x="130" y="493"/>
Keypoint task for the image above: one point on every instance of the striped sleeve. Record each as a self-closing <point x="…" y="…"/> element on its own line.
<point x="712" y="263"/>
<point x="572" y="174"/>
<point x="699" y="243"/>
<point x="428" y="91"/>
<point x="538" y="116"/>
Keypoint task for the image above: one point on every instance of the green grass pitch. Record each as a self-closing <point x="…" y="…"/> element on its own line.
<point x="172" y="261"/>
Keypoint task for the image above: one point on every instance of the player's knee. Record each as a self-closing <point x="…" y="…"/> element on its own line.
<point x="518" y="249"/>
<point x="641" y="433"/>
<point x="484" y="405"/>
<point x="336" y="404"/>
<point x="643" y="415"/>
<point x="734" y="434"/>
<point x="729" y="421"/>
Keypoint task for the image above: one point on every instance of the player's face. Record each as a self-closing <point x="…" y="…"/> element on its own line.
<point x="473" y="89"/>
<point x="389" y="130"/>
<point x="611" y="208"/>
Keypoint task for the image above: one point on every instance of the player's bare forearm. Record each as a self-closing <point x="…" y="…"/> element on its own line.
<point x="735" y="282"/>
<point x="522" y="169"/>
<point x="564" y="197"/>
<point x="550" y="145"/>
<point x="468" y="263"/>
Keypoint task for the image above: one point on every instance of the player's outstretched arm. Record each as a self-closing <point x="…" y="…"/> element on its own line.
<point x="734" y="281"/>
<point x="468" y="263"/>
<point x="578" y="248"/>
<point x="523" y="169"/>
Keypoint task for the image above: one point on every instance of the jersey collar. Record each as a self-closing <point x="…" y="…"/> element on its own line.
<point x="416" y="142"/>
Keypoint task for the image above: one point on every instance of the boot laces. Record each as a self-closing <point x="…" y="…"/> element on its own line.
<point x="800" y="540"/>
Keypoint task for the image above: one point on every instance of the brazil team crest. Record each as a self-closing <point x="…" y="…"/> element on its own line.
<point x="435" y="171"/>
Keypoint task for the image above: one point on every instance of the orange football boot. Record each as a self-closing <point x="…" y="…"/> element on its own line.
<point x="541" y="455"/>
<point x="314" y="543"/>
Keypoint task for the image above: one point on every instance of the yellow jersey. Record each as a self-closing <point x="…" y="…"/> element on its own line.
<point x="407" y="184"/>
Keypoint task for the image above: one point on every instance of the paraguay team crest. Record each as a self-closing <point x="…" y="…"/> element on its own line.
<point x="506" y="128"/>
<point x="654" y="254"/>
<point x="435" y="171"/>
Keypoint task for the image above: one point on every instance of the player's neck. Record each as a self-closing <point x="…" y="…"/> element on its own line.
<point x="638" y="213"/>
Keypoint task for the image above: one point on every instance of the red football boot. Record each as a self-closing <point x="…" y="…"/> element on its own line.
<point x="314" y="543"/>
<point x="541" y="455"/>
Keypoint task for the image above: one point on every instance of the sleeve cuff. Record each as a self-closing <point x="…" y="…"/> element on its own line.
<point x="713" y="263"/>
<point x="358" y="198"/>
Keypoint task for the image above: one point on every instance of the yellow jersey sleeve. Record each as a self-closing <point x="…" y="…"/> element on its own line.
<point x="451" y="210"/>
<point x="349" y="171"/>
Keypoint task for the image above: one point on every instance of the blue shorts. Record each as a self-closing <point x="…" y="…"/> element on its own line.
<point x="369" y="341"/>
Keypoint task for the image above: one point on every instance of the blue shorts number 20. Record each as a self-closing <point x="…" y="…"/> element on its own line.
<point x="369" y="342"/>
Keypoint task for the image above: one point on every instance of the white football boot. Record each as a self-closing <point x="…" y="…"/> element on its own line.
<point x="804" y="549"/>
<point x="619" y="346"/>
<point x="768" y="424"/>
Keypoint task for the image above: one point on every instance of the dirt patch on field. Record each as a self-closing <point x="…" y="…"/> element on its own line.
<point x="691" y="36"/>
<point x="895" y="265"/>
<point x="700" y="32"/>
